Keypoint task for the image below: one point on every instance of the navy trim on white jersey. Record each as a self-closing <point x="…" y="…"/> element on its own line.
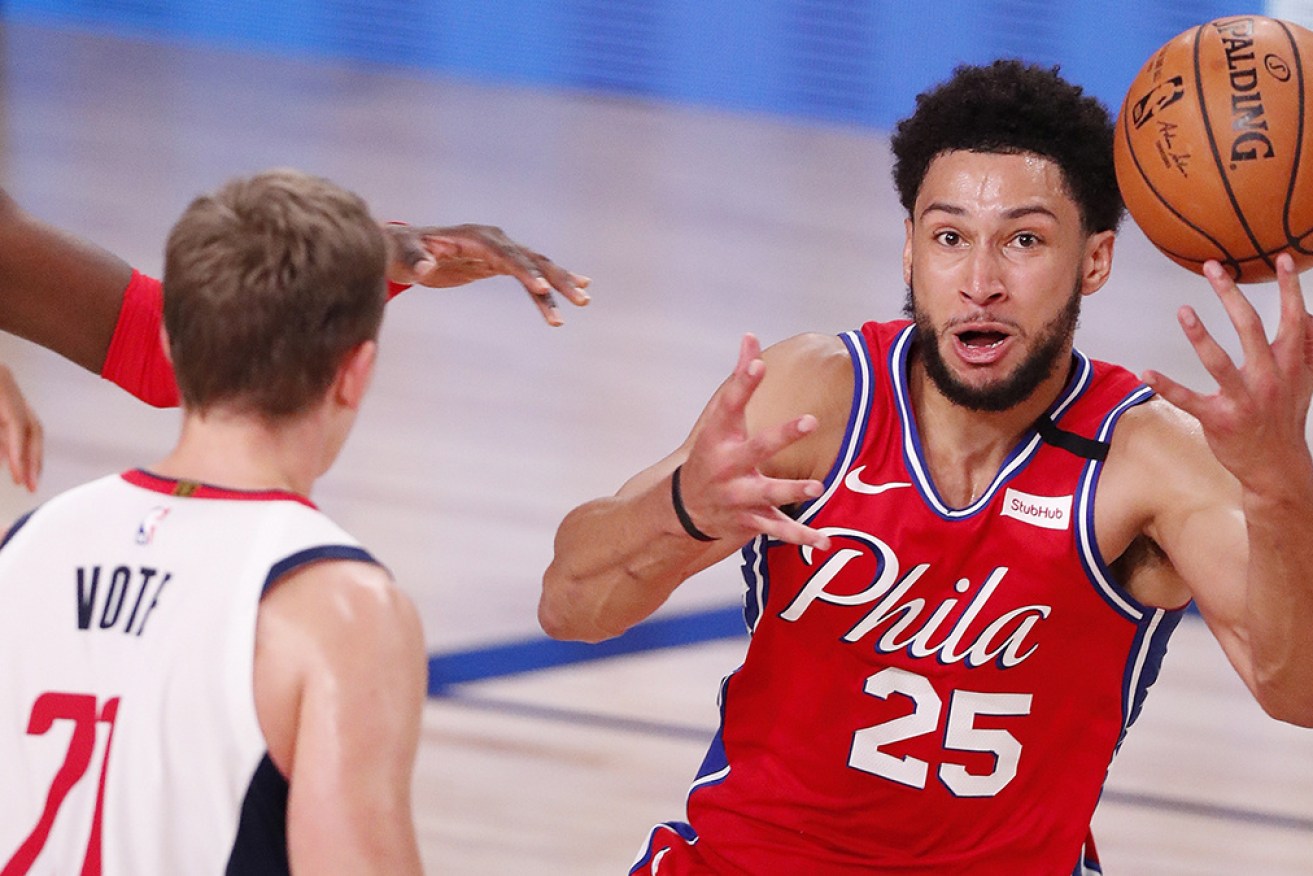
<point x="314" y="555"/>
<point x="261" y="845"/>
<point x="17" y="525"/>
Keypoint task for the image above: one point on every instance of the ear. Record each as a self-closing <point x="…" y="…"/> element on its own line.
<point x="907" y="252"/>
<point x="1097" y="264"/>
<point x="354" y="375"/>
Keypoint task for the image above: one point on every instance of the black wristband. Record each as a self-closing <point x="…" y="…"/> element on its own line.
<point x="684" y="520"/>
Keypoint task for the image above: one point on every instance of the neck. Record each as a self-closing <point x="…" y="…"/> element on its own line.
<point x="242" y="452"/>
<point x="964" y="448"/>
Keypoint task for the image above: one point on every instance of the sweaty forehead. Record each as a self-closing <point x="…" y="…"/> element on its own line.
<point x="991" y="182"/>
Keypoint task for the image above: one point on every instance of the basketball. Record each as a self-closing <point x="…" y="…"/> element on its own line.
<point x="1214" y="146"/>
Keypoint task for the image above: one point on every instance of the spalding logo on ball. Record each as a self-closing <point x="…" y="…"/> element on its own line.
<point x="1214" y="146"/>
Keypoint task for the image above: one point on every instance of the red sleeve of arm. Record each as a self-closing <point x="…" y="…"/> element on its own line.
<point x="136" y="360"/>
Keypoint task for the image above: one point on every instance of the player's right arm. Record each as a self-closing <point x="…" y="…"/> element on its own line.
<point x="89" y="306"/>
<point x="756" y="447"/>
<point x="339" y="685"/>
<point x="57" y="290"/>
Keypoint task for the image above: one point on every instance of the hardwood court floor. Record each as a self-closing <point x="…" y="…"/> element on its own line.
<point x="485" y="426"/>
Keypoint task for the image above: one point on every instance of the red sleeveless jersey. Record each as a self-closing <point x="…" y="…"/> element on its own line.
<point x="943" y="690"/>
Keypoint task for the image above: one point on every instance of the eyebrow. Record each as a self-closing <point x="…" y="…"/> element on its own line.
<point x="1014" y="213"/>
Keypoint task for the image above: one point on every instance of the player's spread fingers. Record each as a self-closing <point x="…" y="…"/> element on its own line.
<point x="784" y="528"/>
<point x="1215" y="359"/>
<point x="1244" y="317"/>
<point x="779" y="493"/>
<point x="1181" y="396"/>
<point x="771" y="441"/>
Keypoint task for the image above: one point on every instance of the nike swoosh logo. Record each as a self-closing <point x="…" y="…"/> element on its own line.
<point x="853" y="481"/>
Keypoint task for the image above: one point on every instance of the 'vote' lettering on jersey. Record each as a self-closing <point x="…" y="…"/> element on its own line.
<point x="121" y="598"/>
<point x="910" y="625"/>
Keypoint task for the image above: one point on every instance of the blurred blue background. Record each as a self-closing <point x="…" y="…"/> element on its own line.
<point x="845" y="61"/>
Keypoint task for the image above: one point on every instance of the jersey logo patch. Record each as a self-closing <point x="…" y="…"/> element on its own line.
<point x="151" y="522"/>
<point x="853" y="481"/>
<point x="1049" y="512"/>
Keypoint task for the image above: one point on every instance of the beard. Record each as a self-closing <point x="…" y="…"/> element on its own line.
<point x="1052" y="344"/>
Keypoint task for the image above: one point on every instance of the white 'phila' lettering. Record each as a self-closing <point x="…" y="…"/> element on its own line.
<point x="904" y="618"/>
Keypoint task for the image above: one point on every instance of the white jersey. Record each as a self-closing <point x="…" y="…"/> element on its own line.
<point x="129" y="744"/>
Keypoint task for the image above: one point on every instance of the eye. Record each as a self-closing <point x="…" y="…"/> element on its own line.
<point x="1026" y="240"/>
<point x="949" y="238"/>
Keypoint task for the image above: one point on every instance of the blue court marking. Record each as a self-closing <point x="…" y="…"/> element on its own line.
<point x="540" y="652"/>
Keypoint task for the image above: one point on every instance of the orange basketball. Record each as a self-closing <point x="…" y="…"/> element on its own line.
<point x="1214" y="146"/>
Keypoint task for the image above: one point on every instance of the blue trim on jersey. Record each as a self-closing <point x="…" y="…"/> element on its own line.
<point x="1146" y="661"/>
<point x="715" y="769"/>
<point x="682" y="829"/>
<point x="260" y="848"/>
<point x="756" y="575"/>
<point x="17" y="525"/>
<point x="1091" y="557"/>
<point x="314" y="555"/>
<point x="859" y="415"/>
<point x="756" y="578"/>
<point x="1088" y="865"/>
<point x="1154" y="626"/>
<point x="913" y="457"/>
<point x="715" y="766"/>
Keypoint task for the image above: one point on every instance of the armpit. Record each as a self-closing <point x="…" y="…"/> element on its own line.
<point x="1149" y="576"/>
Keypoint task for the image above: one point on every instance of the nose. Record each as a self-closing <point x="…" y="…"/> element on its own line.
<point x="984" y="281"/>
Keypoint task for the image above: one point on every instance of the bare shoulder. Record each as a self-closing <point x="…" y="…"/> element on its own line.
<point x="1159" y="468"/>
<point x="337" y="624"/>
<point x="1159" y="435"/>
<point x="335" y="598"/>
<point x="809" y="373"/>
<point x="810" y="346"/>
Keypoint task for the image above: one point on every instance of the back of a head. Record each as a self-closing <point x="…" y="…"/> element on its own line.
<point x="268" y="283"/>
<point x="1011" y="107"/>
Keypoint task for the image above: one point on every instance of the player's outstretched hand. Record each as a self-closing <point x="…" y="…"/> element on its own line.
<point x="1255" y="421"/>
<point x="20" y="433"/>
<point x="444" y="256"/>
<point x="723" y="490"/>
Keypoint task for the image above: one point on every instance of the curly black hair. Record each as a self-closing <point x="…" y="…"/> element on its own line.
<point x="1013" y="107"/>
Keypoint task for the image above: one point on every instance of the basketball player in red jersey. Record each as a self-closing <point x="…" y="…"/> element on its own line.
<point x="965" y="543"/>
<point x="94" y="309"/>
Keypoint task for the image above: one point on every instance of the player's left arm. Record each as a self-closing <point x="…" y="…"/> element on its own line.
<point x="339" y="686"/>
<point x="1239" y="528"/>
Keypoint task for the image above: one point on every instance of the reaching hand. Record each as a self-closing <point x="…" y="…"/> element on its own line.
<point x="440" y="257"/>
<point x="724" y="491"/>
<point x="20" y="433"/>
<point x="1255" y="422"/>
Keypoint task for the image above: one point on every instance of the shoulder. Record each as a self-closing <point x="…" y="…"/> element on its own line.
<point x="799" y="367"/>
<point x="1159" y="469"/>
<point x="806" y="374"/>
<point x="338" y="602"/>
<point x="335" y="631"/>
<point x="1159" y="432"/>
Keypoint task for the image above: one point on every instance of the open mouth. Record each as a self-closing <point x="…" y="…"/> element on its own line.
<point x="981" y="344"/>
<point x="975" y="338"/>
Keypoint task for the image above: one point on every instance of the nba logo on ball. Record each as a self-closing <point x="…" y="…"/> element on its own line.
<point x="1214" y="146"/>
